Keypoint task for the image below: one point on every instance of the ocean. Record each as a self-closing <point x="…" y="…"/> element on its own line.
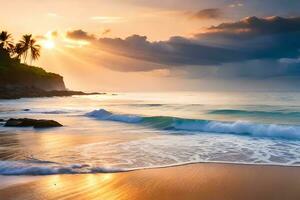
<point x="131" y="131"/>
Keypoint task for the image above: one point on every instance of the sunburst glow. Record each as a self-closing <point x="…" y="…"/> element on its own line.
<point x="48" y="44"/>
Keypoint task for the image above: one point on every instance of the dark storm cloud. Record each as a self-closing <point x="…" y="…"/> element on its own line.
<point x="79" y="35"/>
<point x="258" y="38"/>
<point x="249" y="39"/>
<point x="175" y="51"/>
<point x="211" y="13"/>
<point x="254" y="26"/>
<point x="252" y="47"/>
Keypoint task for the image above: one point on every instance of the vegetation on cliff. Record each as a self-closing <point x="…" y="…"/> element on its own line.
<point x="19" y="79"/>
<point x="15" y="75"/>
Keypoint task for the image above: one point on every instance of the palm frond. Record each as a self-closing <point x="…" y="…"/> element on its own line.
<point x="6" y="41"/>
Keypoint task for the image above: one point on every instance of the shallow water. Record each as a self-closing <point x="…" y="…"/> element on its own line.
<point x="107" y="133"/>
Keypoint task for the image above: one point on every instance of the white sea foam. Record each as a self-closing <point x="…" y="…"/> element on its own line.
<point x="175" y="149"/>
<point x="199" y="125"/>
<point x="28" y="168"/>
<point x="242" y="127"/>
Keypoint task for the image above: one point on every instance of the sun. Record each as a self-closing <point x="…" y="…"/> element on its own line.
<point x="48" y="44"/>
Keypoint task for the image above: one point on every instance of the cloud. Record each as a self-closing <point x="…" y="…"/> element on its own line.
<point x="236" y="5"/>
<point x="250" y="48"/>
<point x="40" y="37"/>
<point x="211" y="13"/>
<point x="53" y="15"/>
<point x="254" y="26"/>
<point x="175" y="51"/>
<point x="290" y="60"/>
<point x="258" y="38"/>
<point x="106" y="31"/>
<point x="79" y="35"/>
<point x="47" y="36"/>
<point x="107" y="19"/>
<point x="249" y="39"/>
<point x="54" y="34"/>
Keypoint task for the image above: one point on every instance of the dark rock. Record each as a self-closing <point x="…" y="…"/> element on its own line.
<point x="12" y="122"/>
<point x="25" y="122"/>
<point x="46" y="124"/>
<point x="16" y="92"/>
<point x="26" y="109"/>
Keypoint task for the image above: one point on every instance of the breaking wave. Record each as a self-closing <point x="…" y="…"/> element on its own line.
<point x="200" y="125"/>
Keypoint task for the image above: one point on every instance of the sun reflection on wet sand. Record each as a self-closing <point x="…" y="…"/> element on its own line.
<point x="90" y="186"/>
<point x="200" y="181"/>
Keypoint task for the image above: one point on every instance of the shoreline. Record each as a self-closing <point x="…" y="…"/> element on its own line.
<point x="108" y="170"/>
<point x="193" y="181"/>
<point x="208" y="163"/>
<point x="38" y="93"/>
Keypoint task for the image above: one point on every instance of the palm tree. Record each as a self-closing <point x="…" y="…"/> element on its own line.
<point x="18" y="50"/>
<point x="28" y="45"/>
<point x="6" y="41"/>
<point x="34" y="50"/>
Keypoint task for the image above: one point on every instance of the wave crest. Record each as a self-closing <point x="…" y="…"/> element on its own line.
<point x="106" y="115"/>
<point x="200" y="125"/>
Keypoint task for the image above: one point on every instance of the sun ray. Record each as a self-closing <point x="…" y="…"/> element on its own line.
<point x="48" y="44"/>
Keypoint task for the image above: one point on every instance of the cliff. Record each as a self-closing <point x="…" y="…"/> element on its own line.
<point x="19" y="80"/>
<point x="13" y="74"/>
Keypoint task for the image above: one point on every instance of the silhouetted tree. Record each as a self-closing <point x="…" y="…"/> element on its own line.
<point x="28" y="45"/>
<point x="6" y="41"/>
<point x="18" y="50"/>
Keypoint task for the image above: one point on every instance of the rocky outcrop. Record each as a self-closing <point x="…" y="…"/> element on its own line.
<point x="16" y="92"/>
<point x="15" y="74"/>
<point x="19" y="80"/>
<point x="28" y="76"/>
<point x="25" y="122"/>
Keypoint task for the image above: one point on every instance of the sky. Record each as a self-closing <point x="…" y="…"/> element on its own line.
<point x="169" y="45"/>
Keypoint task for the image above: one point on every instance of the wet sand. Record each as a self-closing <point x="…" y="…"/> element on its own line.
<point x="197" y="181"/>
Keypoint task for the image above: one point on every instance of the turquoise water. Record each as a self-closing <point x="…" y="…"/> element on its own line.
<point x="128" y="131"/>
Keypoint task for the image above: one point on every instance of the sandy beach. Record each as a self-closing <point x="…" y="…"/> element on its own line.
<point x="150" y="100"/>
<point x="197" y="181"/>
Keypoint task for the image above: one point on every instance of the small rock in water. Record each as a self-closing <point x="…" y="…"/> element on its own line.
<point x="46" y="124"/>
<point x="25" y="122"/>
<point x="26" y="109"/>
